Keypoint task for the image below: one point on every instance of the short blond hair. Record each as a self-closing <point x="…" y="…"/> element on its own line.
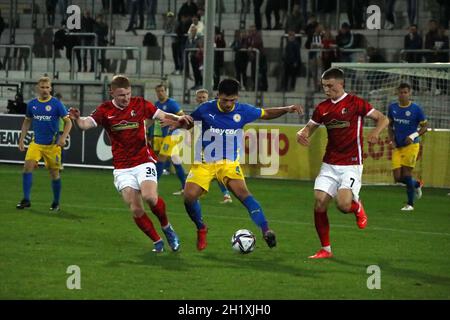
<point x="45" y="80"/>
<point x="202" y="91"/>
<point x="120" y="81"/>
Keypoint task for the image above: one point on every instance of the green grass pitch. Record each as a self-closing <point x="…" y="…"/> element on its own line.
<point x="95" y="231"/>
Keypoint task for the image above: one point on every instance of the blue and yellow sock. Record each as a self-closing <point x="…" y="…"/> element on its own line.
<point x="159" y="169"/>
<point x="195" y="213"/>
<point x="56" y="187"/>
<point x="223" y="188"/>
<point x="410" y="189"/>
<point x="27" y="182"/>
<point x="256" y="213"/>
<point x="180" y="174"/>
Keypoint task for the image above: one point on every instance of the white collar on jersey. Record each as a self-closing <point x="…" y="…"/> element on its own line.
<point x="115" y="104"/>
<point x="342" y="97"/>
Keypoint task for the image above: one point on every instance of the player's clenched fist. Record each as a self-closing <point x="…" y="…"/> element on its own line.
<point x="302" y="137"/>
<point x="74" y="113"/>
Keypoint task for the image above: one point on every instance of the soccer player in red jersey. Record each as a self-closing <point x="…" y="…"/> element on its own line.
<point x="135" y="175"/>
<point x="342" y="166"/>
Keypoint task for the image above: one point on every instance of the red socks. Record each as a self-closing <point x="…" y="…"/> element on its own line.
<point x="355" y="207"/>
<point x="146" y="225"/>
<point x="159" y="210"/>
<point x="322" y="227"/>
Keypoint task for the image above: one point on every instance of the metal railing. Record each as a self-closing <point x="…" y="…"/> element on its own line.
<point x="163" y="45"/>
<point x="80" y="34"/>
<point x="422" y="52"/>
<point x="186" y="68"/>
<point x="96" y="48"/>
<point x="337" y="49"/>
<point x="18" y="46"/>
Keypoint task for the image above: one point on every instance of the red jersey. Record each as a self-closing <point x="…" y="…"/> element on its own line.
<point x="344" y="121"/>
<point x="126" y="130"/>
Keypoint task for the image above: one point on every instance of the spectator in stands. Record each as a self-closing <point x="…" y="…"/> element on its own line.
<point x="325" y="10"/>
<point x="389" y="23"/>
<point x="47" y="42"/>
<point x="188" y="8"/>
<point x="314" y="41"/>
<point x="38" y="48"/>
<point x="151" y="12"/>
<point x="240" y="57"/>
<point x="70" y="42"/>
<point x="255" y="41"/>
<point x="169" y="22"/>
<point x="2" y="24"/>
<point x="17" y="106"/>
<point x="118" y="6"/>
<point x="87" y="25"/>
<point x="374" y="55"/>
<point x="257" y="6"/>
<point x="219" y="42"/>
<point x="436" y="40"/>
<point x="273" y="6"/>
<point x="411" y="7"/>
<point x="63" y="4"/>
<point x="328" y="56"/>
<point x="345" y="40"/>
<point x="101" y="29"/>
<point x="413" y="41"/>
<point x="292" y="62"/>
<point x="444" y="10"/>
<point x="137" y="7"/>
<point x="51" y="9"/>
<point x="179" y="43"/>
<point x="294" y="20"/>
<point x="284" y="13"/>
<point x="198" y="24"/>
<point x="355" y="13"/>
<point x="193" y="42"/>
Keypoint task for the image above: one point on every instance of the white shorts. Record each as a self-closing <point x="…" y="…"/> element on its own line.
<point x="332" y="178"/>
<point x="133" y="177"/>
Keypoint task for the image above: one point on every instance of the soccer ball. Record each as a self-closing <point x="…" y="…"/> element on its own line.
<point x="243" y="241"/>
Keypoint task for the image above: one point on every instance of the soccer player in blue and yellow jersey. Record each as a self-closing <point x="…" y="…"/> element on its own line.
<point x="405" y="117"/>
<point x="169" y="148"/>
<point x="44" y="112"/>
<point x="223" y="119"/>
<point x="201" y="96"/>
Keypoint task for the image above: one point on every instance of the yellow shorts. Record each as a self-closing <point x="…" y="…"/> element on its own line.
<point x="169" y="145"/>
<point x="405" y="156"/>
<point x="202" y="174"/>
<point x="157" y="142"/>
<point x="51" y="154"/>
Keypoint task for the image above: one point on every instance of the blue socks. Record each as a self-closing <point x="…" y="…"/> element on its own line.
<point x="411" y="184"/>
<point x="180" y="174"/>
<point x="195" y="213"/>
<point x="256" y="213"/>
<point x="223" y="188"/>
<point x="159" y="169"/>
<point x="27" y="181"/>
<point x="56" y="186"/>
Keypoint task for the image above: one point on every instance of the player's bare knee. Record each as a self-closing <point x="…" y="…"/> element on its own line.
<point x="150" y="199"/>
<point x="320" y="205"/>
<point x="137" y="210"/>
<point x="343" y="206"/>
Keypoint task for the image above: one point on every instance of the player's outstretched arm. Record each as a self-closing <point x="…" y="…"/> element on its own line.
<point x="173" y="121"/>
<point x="25" y="127"/>
<point x="273" y="113"/>
<point x="382" y="123"/>
<point x="84" y="123"/>
<point x="304" y="134"/>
